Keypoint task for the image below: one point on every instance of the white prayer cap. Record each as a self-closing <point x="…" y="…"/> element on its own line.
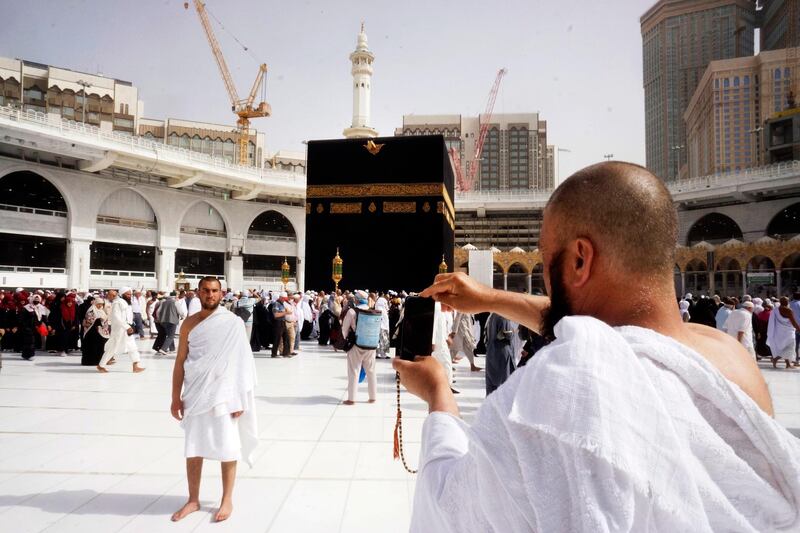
<point x="747" y="298"/>
<point x="362" y="295"/>
<point x="19" y="289"/>
<point x="748" y="304"/>
<point x="758" y="301"/>
<point x="688" y="296"/>
<point x="123" y="290"/>
<point x="284" y="294"/>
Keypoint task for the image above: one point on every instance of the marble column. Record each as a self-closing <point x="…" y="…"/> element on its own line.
<point x="683" y="284"/>
<point x="530" y="283"/>
<point x="778" y="281"/>
<point x="165" y="268"/>
<point x="505" y="281"/>
<point x="234" y="272"/>
<point x="78" y="257"/>
<point x="744" y="284"/>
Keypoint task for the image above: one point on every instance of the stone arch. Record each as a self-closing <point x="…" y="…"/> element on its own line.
<point x="26" y="188"/>
<point x="498" y="273"/>
<point x="786" y="223"/>
<point x="42" y="173"/>
<point x="220" y="212"/>
<point x="272" y="222"/>
<point x="790" y="274"/>
<point x="517" y="277"/>
<point x="122" y="192"/>
<point x="728" y="276"/>
<point x="765" y="284"/>
<point x="713" y="228"/>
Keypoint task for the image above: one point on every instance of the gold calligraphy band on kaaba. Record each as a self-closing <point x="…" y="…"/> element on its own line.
<point x="399" y="207"/>
<point x="345" y="208"/>
<point x="392" y="190"/>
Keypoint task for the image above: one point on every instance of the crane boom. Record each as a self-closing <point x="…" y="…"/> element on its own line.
<point x="215" y="49"/>
<point x="243" y="108"/>
<point x="473" y="167"/>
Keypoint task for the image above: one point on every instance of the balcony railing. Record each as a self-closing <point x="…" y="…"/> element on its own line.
<point x="271" y="237"/>
<point x="37" y="270"/>
<point x="203" y="231"/>
<point x="788" y="169"/>
<point x="127" y="222"/>
<point x="503" y="196"/>
<point x="33" y="210"/>
<point x="129" y="142"/>
<point x="123" y="273"/>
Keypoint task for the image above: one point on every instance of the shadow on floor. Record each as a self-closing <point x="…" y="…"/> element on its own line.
<point x="63" y="501"/>
<point x="301" y="400"/>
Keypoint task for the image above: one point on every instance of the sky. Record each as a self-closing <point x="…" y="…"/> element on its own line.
<point x="578" y="63"/>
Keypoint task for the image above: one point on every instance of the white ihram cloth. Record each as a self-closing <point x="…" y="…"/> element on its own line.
<point x="610" y="429"/>
<point x="219" y="379"/>
<point x="780" y="336"/>
<point x="119" y="342"/>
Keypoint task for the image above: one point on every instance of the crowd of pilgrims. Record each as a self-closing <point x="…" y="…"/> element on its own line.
<point x="63" y="322"/>
<point x="768" y="328"/>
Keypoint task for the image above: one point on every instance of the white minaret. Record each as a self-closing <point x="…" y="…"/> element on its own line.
<point x="362" y="60"/>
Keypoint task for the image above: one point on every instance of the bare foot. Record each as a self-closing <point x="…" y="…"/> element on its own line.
<point x="348" y="402"/>
<point x="137" y="369"/>
<point x="101" y="369"/>
<point x="371" y="401"/>
<point x="186" y="510"/>
<point x="111" y="361"/>
<point x="225" y="510"/>
<point x="475" y="368"/>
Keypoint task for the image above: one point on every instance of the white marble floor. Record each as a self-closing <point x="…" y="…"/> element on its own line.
<point x="80" y="451"/>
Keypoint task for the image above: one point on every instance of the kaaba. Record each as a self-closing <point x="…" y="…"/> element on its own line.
<point x="386" y="204"/>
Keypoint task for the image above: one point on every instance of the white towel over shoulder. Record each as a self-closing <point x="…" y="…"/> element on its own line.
<point x="219" y="379"/>
<point x="610" y="430"/>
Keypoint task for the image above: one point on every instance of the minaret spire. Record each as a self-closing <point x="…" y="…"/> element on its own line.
<point x="361" y="60"/>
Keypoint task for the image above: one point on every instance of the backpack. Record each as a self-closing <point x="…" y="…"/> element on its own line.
<point x="339" y="341"/>
<point x="368" y="328"/>
<point x="242" y="312"/>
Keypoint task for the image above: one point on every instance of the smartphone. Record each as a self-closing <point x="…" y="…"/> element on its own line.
<point x="416" y="328"/>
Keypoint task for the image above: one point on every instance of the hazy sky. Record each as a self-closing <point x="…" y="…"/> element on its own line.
<point x="579" y="63"/>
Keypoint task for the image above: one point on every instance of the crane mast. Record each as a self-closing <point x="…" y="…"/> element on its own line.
<point x="243" y="109"/>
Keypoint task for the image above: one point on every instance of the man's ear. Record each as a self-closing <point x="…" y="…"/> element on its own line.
<point x="583" y="261"/>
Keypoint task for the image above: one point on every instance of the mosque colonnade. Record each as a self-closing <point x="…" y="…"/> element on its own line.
<point x="66" y="228"/>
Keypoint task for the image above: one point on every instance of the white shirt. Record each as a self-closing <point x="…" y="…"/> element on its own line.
<point x="138" y="304"/>
<point x="741" y="320"/>
<point x="194" y="306"/>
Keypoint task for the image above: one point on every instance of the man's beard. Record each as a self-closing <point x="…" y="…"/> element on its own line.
<point x="209" y="307"/>
<point x="126" y="298"/>
<point x="560" y="305"/>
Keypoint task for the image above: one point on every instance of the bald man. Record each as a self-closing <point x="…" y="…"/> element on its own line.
<point x="630" y="419"/>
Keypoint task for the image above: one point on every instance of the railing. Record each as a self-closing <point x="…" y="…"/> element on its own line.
<point x="127" y="222"/>
<point x="130" y="142"/>
<point x="751" y="175"/>
<point x="201" y="276"/>
<point x="33" y="210"/>
<point x="123" y="273"/>
<point x="37" y="270"/>
<point x="503" y="196"/>
<point x="203" y="231"/>
<point x="271" y="237"/>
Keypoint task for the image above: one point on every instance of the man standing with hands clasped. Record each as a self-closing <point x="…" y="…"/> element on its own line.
<point x="216" y="372"/>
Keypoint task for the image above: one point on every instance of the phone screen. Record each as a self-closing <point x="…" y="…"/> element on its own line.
<point x="416" y="328"/>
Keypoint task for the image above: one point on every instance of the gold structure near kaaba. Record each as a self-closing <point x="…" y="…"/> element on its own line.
<point x="336" y="275"/>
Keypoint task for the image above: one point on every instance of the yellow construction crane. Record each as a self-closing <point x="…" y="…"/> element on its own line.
<point x="243" y="108"/>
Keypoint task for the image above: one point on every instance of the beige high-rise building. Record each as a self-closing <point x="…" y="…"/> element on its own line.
<point x="679" y="39"/>
<point x="780" y="24"/>
<point x="735" y="97"/>
<point x="515" y="153"/>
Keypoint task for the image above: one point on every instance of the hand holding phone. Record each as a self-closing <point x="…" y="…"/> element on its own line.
<point x="416" y="328"/>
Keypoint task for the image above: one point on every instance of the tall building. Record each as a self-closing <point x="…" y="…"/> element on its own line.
<point x="361" y="60"/>
<point x="108" y="103"/>
<point x="515" y="152"/>
<point x="679" y="39"/>
<point x="734" y="99"/>
<point x="780" y="24"/>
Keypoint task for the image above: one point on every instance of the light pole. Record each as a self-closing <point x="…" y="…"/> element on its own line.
<point x="678" y="166"/>
<point x="757" y="131"/>
<point x="608" y="156"/>
<point x="85" y="85"/>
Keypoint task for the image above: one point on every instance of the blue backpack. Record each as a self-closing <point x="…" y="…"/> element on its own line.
<point x="368" y="328"/>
